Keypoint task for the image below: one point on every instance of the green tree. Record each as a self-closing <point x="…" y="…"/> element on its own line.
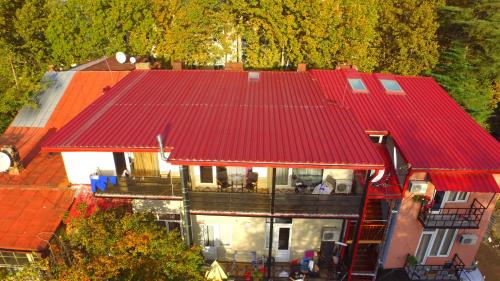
<point x="116" y="244"/>
<point x="408" y="36"/>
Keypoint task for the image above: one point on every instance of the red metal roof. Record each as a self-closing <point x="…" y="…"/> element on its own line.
<point x="465" y="182"/>
<point x="30" y="216"/>
<point x="430" y="128"/>
<point x="42" y="168"/>
<point x="225" y="117"/>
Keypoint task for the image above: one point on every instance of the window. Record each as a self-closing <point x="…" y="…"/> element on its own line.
<point x="216" y="235"/>
<point x="206" y="174"/>
<point x="435" y="243"/>
<point x="170" y="221"/>
<point x="391" y="85"/>
<point x="357" y="85"/>
<point x="15" y="259"/>
<point x="282" y="176"/>
<point x="457" y="196"/>
<point x="309" y="177"/>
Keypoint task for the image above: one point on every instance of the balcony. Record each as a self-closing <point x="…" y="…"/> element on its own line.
<point x="287" y="203"/>
<point x="450" y="271"/>
<point x="464" y="218"/>
<point x="143" y="188"/>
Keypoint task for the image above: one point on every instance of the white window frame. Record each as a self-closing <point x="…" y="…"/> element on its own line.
<point x="217" y="234"/>
<point x="447" y="197"/>
<point x="289" y="179"/>
<point x="214" y="175"/>
<point x="363" y="91"/>
<point x="431" y="243"/>
<point x="181" y="230"/>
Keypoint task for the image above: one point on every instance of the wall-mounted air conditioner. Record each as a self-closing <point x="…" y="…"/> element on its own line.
<point x="343" y="186"/>
<point x="468" y="239"/>
<point x="330" y="234"/>
<point x="418" y="186"/>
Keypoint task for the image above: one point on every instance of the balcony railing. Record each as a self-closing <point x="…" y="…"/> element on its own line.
<point x="450" y="271"/>
<point x="370" y="233"/>
<point x="466" y="217"/>
<point x="144" y="188"/>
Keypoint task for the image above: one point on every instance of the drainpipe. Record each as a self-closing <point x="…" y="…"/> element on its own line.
<point x="357" y="235"/>
<point x="394" y="219"/>
<point x="271" y="226"/>
<point x="184" y="173"/>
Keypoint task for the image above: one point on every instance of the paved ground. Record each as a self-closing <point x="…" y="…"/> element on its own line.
<point x="488" y="256"/>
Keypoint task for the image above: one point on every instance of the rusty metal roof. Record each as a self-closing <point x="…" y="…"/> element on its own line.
<point x="432" y="131"/>
<point x="30" y="216"/>
<point x="278" y="118"/>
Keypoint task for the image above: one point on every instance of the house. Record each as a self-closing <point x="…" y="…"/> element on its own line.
<point x="252" y="164"/>
<point x="35" y="193"/>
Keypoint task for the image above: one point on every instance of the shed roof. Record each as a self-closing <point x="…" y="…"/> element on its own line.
<point x="278" y="118"/>
<point x="30" y="216"/>
<point x="430" y="128"/>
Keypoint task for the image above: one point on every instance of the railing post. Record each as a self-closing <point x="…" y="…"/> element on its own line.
<point x="271" y="225"/>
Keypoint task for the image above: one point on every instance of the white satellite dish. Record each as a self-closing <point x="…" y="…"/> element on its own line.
<point x="132" y="60"/>
<point x="5" y="162"/>
<point x="121" y="57"/>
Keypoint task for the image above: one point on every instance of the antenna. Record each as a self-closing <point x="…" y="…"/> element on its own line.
<point x="121" y="57"/>
<point x="132" y="60"/>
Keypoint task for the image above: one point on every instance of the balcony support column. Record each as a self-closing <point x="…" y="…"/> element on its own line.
<point x="271" y="226"/>
<point x="186" y="205"/>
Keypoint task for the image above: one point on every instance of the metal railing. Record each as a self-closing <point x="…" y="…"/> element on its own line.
<point x="465" y="217"/>
<point x="449" y="271"/>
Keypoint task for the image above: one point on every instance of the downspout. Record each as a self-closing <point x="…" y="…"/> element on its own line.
<point x="394" y="219"/>
<point x="184" y="173"/>
<point x="271" y="226"/>
<point x="357" y="235"/>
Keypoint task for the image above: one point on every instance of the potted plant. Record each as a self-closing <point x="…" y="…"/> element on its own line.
<point x="258" y="275"/>
<point x="412" y="260"/>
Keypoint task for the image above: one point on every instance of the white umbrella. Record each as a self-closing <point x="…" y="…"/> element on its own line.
<point x="216" y="273"/>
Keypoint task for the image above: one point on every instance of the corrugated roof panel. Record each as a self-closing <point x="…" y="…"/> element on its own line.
<point x="465" y="182"/>
<point x="430" y="129"/>
<point x="56" y="83"/>
<point x="282" y="117"/>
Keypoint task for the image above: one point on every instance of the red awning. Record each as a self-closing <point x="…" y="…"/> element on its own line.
<point x="465" y="182"/>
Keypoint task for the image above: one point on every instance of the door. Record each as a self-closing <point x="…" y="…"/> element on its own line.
<point x="423" y="246"/>
<point x="438" y="201"/>
<point x="120" y="164"/>
<point x="282" y="234"/>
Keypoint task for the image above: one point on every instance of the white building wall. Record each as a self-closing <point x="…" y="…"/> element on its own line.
<point x="80" y="165"/>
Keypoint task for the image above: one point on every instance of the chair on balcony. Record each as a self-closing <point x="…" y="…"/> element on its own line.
<point x="252" y="179"/>
<point x="222" y="182"/>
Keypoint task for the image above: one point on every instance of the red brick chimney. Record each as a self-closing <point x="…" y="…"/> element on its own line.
<point x="233" y="66"/>
<point x="301" y="67"/>
<point x="177" y="65"/>
<point x="142" y="65"/>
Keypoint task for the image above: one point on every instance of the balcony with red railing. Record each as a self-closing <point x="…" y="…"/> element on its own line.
<point x="464" y="217"/>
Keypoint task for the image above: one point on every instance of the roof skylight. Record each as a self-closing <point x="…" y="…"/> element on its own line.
<point x="391" y="85"/>
<point x="357" y="85"/>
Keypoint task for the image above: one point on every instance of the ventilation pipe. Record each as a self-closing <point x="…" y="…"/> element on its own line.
<point x="186" y="204"/>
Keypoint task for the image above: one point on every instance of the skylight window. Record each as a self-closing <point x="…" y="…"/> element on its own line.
<point x="391" y="85"/>
<point x="357" y="85"/>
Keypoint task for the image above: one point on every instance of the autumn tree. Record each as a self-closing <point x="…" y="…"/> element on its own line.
<point x="408" y="35"/>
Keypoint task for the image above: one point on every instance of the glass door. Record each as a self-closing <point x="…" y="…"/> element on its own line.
<point x="438" y="201"/>
<point x="423" y="246"/>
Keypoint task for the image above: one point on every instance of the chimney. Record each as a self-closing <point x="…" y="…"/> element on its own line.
<point x="233" y="66"/>
<point x="301" y="67"/>
<point x="176" y="65"/>
<point x="346" y="66"/>
<point x="143" y="65"/>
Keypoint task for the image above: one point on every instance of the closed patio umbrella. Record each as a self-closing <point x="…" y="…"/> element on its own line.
<point x="216" y="273"/>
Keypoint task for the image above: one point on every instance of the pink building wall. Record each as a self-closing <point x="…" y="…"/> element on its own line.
<point x="408" y="229"/>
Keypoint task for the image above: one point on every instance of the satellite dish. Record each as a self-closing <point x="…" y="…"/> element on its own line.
<point x="5" y="161"/>
<point x="121" y="57"/>
<point x="132" y="60"/>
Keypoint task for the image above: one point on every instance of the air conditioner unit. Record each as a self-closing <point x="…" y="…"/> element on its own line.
<point x="343" y="186"/>
<point x="468" y="239"/>
<point x="418" y="186"/>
